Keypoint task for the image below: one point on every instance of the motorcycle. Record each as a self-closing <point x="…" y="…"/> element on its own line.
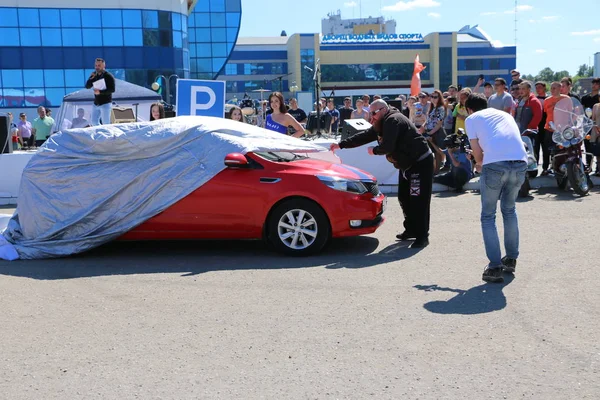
<point x="532" y="166"/>
<point x="570" y="126"/>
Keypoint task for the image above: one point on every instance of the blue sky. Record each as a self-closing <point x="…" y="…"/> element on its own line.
<point x="550" y="33"/>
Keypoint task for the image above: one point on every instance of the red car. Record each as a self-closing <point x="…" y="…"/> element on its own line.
<point x="293" y="202"/>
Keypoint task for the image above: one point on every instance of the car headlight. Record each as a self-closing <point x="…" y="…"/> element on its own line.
<point x="344" y="185"/>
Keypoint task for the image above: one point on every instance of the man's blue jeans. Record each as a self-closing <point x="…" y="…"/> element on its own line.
<point x="103" y="112"/>
<point x="501" y="181"/>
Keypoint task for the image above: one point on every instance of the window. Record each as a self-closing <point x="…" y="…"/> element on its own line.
<point x="217" y="64"/>
<point x="494" y="63"/>
<point x="176" y="21"/>
<point x="217" y="19"/>
<point x="219" y="50"/>
<point x="69" y="18"/>
<point x="219" y="35"/>
<point x="8" y="17"/>
<point x="233" y="19"/>
<point x="33" y="78"/>
<point x="233" y="5"/>
<point x="92" y="37"/>
<point x="133" y="37"/>
<point x="232" y="34"/>
<point x="204" y="50"/>
<point x="474" y="64"/>
<point x="177" y="40"/>
<point x="149" y="19"/>
<point x="370" y="72"/>
<point x="54" y="78"/>
<point x="164" y="20"/>
<point x="150" y="37"/>
<point x="111" y="19"/>
<point x="217" y="5"/>
<point x="203" y="35"/>
<point x="166" y="38"/>
<point x="278" y="68"/>
<point x="132" y="18"/>
<point x="12" y="78"/>
<point x="75" y="77"/>
<point x="71" y="37"/>
<point x="51" y="18"/>
<point x="112" y="37"/>
<point x="8" y="37"/>
<point x="29" y="17"/>
<point x="51" y="37"/>
<point x="91" y="18"/>
<point x="30" y="36"/>
<point x="55" y="96"/>
<point x="231" y="69"/>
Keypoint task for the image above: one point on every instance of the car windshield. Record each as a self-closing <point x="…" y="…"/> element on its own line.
<point x="280" y="156"/>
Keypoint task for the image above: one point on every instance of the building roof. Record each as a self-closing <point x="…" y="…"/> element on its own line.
<point x="272" y="40"/>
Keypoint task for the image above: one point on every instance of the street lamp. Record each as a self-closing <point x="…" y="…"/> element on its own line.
<point x="156" y="86"/>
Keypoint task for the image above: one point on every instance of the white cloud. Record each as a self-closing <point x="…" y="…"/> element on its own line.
<point x="550" y="18"/>
<point x="411" y="5"/>
<point x="485" y="14"/>
<point x="351" y="4"/>
<point x="434" y="15"/>
<point x="597" y="39"/>
<point x="533" y="21"/>
<point x="587" y="33"/>
<point x="519" y="9"/>
<point x="540" y="51"/>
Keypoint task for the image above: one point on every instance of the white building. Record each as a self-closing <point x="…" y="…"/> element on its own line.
<point x="597" y="64"/>
<point x="335" y="25"/>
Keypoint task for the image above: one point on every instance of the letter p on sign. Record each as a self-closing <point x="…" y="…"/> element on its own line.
<point x="199" y="97"/>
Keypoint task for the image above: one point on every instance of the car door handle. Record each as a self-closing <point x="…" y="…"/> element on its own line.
<point x="269" y="180"/>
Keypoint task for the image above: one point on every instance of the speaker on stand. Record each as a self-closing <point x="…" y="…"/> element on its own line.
<point x="353" y="126"/>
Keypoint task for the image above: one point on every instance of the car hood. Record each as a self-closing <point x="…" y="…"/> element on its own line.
<point x="319" y="167"/>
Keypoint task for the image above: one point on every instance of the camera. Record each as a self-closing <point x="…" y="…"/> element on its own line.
<point x="457" y="140"/>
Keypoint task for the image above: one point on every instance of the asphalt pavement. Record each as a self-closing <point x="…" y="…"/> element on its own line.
<point x="367" y="318"/>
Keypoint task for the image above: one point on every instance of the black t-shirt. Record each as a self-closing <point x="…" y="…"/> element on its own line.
<point x="588" y="100"/>
<point x="345" y="113"/>
<point x="298" y="114"/>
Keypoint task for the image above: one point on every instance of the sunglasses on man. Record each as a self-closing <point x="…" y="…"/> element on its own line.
<point x="376" y="111"/>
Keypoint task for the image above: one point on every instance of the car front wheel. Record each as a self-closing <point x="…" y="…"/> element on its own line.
<point x="298" y="227"/>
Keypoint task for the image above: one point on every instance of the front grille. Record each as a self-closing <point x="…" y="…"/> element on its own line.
<point x="372" y="187"/>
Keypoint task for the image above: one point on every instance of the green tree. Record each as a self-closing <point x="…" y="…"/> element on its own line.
<point x="546" y="75"/>
<point x="585" y="71"/>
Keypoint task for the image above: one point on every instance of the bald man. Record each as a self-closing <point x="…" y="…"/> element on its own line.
<point x="404" y="147"/>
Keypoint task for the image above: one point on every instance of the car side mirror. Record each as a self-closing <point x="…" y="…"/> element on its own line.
<point x="236" y="160"/>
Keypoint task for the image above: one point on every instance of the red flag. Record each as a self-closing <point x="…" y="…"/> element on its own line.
<point x="415" y="83"/>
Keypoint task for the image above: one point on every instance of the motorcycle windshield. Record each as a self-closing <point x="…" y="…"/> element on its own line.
<point x="571" y="123"/>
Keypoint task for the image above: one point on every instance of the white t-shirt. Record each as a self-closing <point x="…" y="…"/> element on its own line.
<point x="498" y="135"/>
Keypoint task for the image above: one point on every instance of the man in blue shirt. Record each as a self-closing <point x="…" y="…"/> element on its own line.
<point x="461" y="170"/>
<point x="335" y="116"/>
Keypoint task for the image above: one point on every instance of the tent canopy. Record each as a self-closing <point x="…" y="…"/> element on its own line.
<point x="124" y="91"/>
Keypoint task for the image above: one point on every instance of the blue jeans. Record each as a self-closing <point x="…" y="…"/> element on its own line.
<point x="501" y="181"/>
<point x="103" y="112"/>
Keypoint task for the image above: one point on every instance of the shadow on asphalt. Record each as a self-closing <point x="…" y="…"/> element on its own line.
<point x="193" y="258"/>
<point x="394" y="252"/>
<point x="477" y="300"/>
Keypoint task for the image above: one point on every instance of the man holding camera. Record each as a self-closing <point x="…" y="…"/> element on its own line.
<point x="501" y="158"/>
<point x="461" y="169"/>
<point x="403" y="146"/>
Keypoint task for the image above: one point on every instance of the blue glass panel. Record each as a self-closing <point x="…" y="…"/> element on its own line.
<point x="186" y="60"/>
<point x="50" y="18"/>
<point x="8" y="37"/>
<point x="91" y="18"/>
<point x="230" y="47"/>
<point x="202" y="20"/>
<point x="167" y="59"/>
<point x="192" y="50"/>
<point x="33" y="55"/>
<point x="112" y="37"/>
<point x="12" y="78"/>
<point x="151" y="37"/>
<point x="202" y="6"/>
<point x="177" y="41"/>
<point x="51" y="37"/>
<point x="204" y="50"/>
<point x="217" y="63"/>
<point x="133" y="37"/>
<point x="74" y="78"/>
<point x="203" y="35"/>
<point x="219" y="35"/>
<point x="203" y="65"/>
<point x="73" y="57"/>
<point x="10" y="57"/>
<point x="219" y="50"/>
<point x="111" y="19"/>
<point x="132" y="18"/>
<point x="164" y="20"/>
<point x="53" y="57"/>
<point x="118" y="73"/>
<point x="34" y="97"/>
<point x="54" y="77"/>
<point x="8" y="17"/>
<point x="176" y="18"/>
<point x="92" y="37"/>
<point x="184" y="23"/>
<point x="29" y="17"/>
<point x="30" y="36"/>
<point x="217" y="5"/>
<point x="233" y="5"/>
<point x="232" y="34"/>
<point x="178" y="57"/>
<point x="233" y="19"/>
<point x="149" y="19"/>
<point x="55" y="96"/>
<point x="217" y="20"/>
<point x="166" y="39"/>
<point x="13" y="98"/>
<point x="69" y="18"/>
<point x="151" y="57"/>
<point x="114" y="57"/>
<point x="134" y="58"/>
<point x="33" y="78"/>
<point x="71" y="37"/>
<point x="192" y="35"/>
<point x="184" y="40"/>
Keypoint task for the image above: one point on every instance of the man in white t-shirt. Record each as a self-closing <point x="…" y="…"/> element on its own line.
<point x="502" y="160"/>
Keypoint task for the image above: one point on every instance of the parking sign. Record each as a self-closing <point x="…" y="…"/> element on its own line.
<point x="197" y="97"/>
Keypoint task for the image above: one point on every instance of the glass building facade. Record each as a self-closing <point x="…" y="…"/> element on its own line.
<point x="46" y="53"/>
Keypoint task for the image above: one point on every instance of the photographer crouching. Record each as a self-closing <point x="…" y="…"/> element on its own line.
<point x="458" y="153"/>
<point x="404" y="147"/>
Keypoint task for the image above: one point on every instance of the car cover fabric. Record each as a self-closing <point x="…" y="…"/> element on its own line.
<point x="86" y="187"/>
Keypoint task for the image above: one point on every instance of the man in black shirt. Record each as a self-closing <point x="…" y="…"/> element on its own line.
<point x="346" y="111"/>
<point x="298" y="113"/>
<point x="104" y="86"/>
<point x="404" y="147"/>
